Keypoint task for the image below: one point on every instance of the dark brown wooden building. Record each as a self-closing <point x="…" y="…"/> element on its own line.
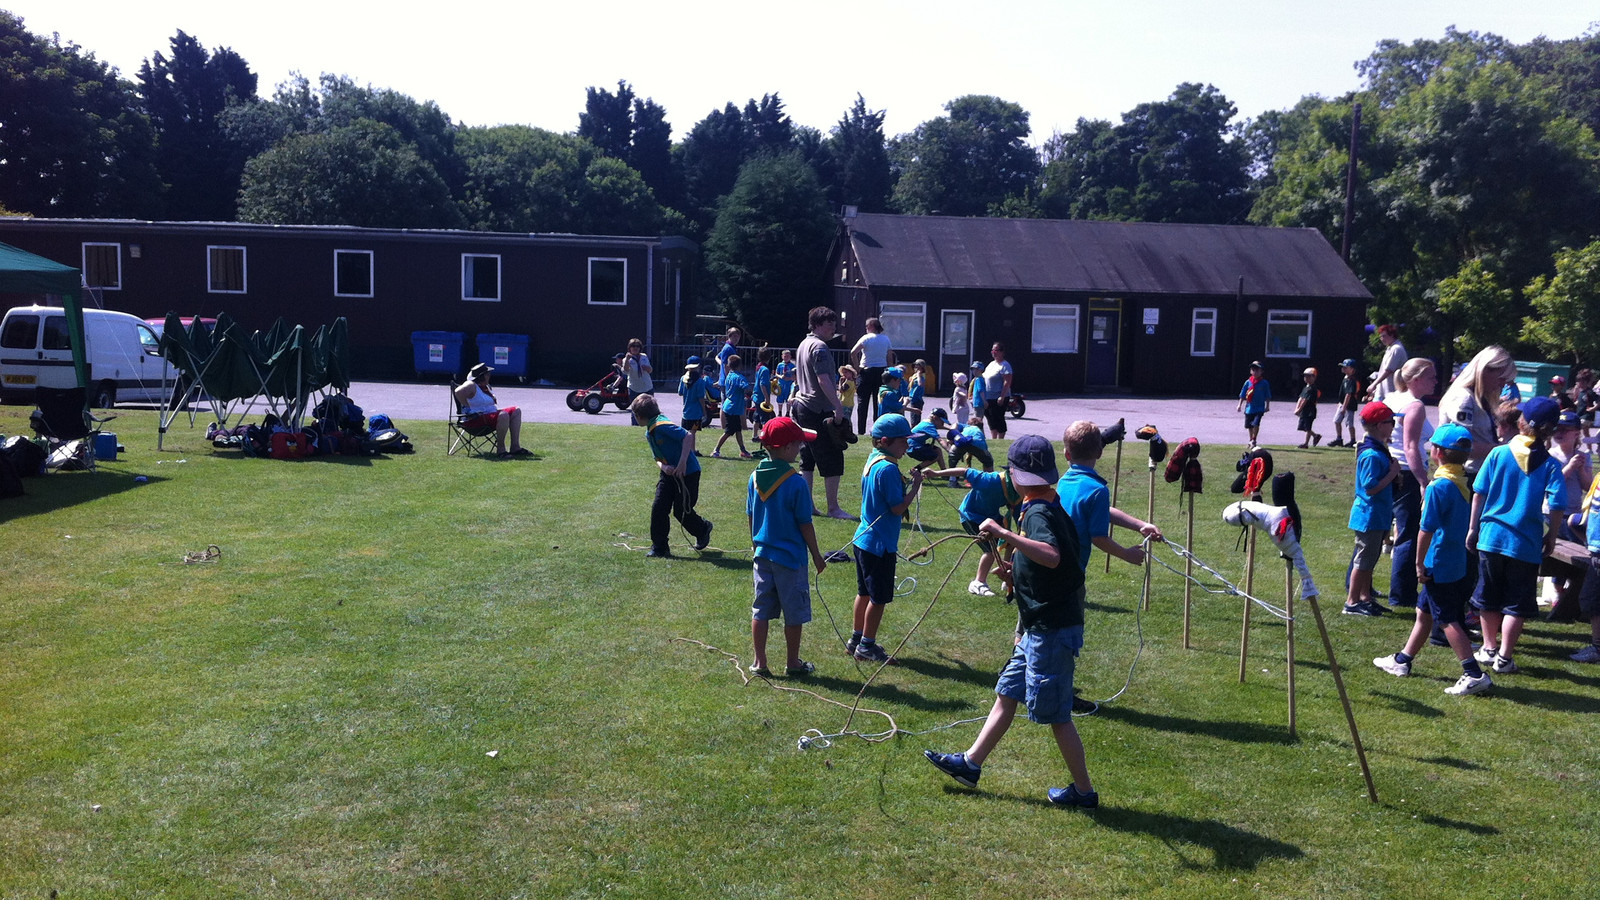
<point x="577" y="297"/>
<point x="1104" y="306"/>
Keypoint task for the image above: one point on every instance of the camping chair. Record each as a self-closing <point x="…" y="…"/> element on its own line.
<point x="63" y="416"/>
<point x="476" y="438"/>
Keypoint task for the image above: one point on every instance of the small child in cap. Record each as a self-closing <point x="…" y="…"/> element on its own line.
<point x="778" y="505"/>
<point x="1306" y="409"/>
<point x="1373" y="510"/>
<point x="1349" y="402"/>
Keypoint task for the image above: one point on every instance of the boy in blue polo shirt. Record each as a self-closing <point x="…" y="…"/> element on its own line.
<point x="1373" y="510"/>
<point x="884" y="499"/>
<point x="967" y="440"/>
<point x="993" y="496"/>
<point x="779" y="507"/>
<point x="1516" y="510"/>
<point x="925" y="446"/>
<point x="1255" y="399"/>
<point x="1048" y="588"/>
<point x="1442" y="563"/>
<point x="1087" y="499"/>
<point x="678" y="489"/>
<point x="735" y="397"/>
<point x="978" y="390"/>
<point x="692" y="388"/>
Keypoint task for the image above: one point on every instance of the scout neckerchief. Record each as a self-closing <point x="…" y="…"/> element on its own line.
<point x="1250" y="387"/>
<point x="1456" y="475"/>
<point x="1528" y="454"/>
<point x="769" y="475"/>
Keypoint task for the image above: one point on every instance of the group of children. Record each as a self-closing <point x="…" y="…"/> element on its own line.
<point x="1255" y="400"/>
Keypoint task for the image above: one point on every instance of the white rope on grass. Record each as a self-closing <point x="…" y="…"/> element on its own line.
<point x="1228" y="588"/>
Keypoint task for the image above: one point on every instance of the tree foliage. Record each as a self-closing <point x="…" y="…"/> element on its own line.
<point x="184" y="96"/>
<point x="768" y="250"/>
<point x="633" y="130"/>
<point x="858" y="161"/>
<point x="1472" y="308"/>
<point x="1565" y="319"/>
<point x="712" y="153"/>
<point x="73" y="141"/>
<point x="966" y="162"/>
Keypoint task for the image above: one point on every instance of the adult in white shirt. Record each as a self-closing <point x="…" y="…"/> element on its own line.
<point x="872" y="353"/>
<point x="637" y="366"/>
<point x="476" y="400"/>
<point x="1472" y="398"/>
<point x="996" y="391"/>
<point x="1393" y="358"/>
<point x="1408" y="445"/>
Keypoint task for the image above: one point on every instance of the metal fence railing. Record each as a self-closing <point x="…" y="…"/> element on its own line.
<point x="667" y="360"/>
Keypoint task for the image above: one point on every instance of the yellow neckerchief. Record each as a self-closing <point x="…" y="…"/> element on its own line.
<point x="1588" y="500"/>
<point x="1456" y="475"/>
<point x="1525" y="451"/>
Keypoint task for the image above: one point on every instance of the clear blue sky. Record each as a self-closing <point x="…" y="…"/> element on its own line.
<point x="490" y="63"/>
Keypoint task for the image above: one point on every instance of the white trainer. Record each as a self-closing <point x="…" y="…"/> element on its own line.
<point x="1393" y="666"/>
<point x="1466" y="684"/>
<point x="979" y="589"/>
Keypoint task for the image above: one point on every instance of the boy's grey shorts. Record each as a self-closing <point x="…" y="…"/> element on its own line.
<point x="781" y="591"/>
<point x="1369" y="546"/>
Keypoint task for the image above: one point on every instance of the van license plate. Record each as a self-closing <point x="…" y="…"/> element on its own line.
<point x="21" y="379"/>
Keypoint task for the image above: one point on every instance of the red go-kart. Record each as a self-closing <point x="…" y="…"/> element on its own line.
<point x="592" y="399"/>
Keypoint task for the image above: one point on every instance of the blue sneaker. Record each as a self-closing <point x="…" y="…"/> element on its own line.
<point x="956" y="766"/>
<point x="1069" y="796"/>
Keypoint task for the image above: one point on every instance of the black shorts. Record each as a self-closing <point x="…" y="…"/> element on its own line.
<point x="1253" y="420"/>
<point x="1307" y="419"/>
<point x="824" y="454"/>
<point x="925" y="453"/>
<point x="1589" y="594"/>
<point x="1447" y="601"/>
<point x="732" y="423"/>
<point x="1507" y="585"/>
<point x="994" y="412"/>
<point x="874" y="575"/>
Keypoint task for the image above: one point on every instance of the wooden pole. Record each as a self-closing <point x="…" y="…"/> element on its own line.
<point x="1116" y="483"/>
<point x="1288" y="591"/>
<point x="1249" y="588"/>
<point x="1188" y="572"/>
<point x="1344" y="698"/>
<point x="1150" y="514"/>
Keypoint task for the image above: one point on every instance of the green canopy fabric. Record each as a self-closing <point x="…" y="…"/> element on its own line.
<point x="22" y="272"/>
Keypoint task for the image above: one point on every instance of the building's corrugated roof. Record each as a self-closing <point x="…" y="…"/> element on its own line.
<point x="1098" y="257"/>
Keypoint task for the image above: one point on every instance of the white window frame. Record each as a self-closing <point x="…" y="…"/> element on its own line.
<point x="371" y="273"/>
<point x="1196" y="319"/>
<point x="891" y="312"/>
<point x="499" y="277"/>
<point x="1279" y="317"/>
<point x="116" y="256"/>
<point x="615" y="259"/>
<point x="1057" y="311"/>
<point x="244" y="270"/>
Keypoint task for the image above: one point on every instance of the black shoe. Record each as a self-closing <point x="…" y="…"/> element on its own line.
<point x="658" y="554"/>
<point x="705" y="539"/>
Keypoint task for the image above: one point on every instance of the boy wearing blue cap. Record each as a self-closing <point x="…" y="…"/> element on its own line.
<point x="1048" y="587"/>
<point x="1349" y="402"/>
<point x="1255" y="399"/>
<point x="884" y="499"/>
<point x="1442" y="563"/>
<point x="892" y="396"/>
<point x="925" y="445"/>
<point x="1516" y="484"/>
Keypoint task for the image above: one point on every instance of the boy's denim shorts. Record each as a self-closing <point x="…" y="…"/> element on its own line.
<point x="1507" y="585"/>
<point x="781" y="591"/>
<point x="1039" y="673"/>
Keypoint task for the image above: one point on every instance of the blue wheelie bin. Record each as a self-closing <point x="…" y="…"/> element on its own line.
<point x="437" y="351"/>
<point x="508" y="353"/>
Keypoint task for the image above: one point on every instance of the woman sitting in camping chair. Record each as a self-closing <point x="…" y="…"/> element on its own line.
<point x="477" y="402"/>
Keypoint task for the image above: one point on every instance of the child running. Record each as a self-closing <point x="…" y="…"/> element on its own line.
<point x="1442" y="563"/>
<point x="884" y="499"/>
<point x="1255" y="400"/>
<point x="779" y="507"/>
<point x="1519" y="500"/>
<point x="1049" y="590"/>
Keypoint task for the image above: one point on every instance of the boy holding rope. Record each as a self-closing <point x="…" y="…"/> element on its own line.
<point x="779" y="507"/>
<point x="1048" y="587"/>
<point x="678" y="489"/>
<point x="993" y="496"/>
<point x="884" y="499"/>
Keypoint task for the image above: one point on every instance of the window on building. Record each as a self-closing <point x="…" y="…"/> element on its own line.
<point x="480" y="276"/>
<point x="1203" y="333"/>
<point x="906" y="324"/>
<point x="1289" y="332"/>
<point x="225" y="270"/>
<point x="102" y="266"/>
<point x="1055" y="328"/>
<point x="608" y="281"/>
<point x="352" y="273"/>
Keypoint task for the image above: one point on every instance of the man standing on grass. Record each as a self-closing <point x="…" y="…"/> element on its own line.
<point x="816" y="407"/>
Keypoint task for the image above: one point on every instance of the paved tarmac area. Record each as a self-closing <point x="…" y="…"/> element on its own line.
<point x="1212" y="420"/>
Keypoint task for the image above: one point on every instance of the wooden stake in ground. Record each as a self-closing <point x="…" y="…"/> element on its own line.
<point x="1116" y="483"/>
<point x="1149" y="516"/>
<point x="1249" y="588"/>
<point x="1188" y="572"/>
<point x="1344" y="698"/>
<point x="1288" y="592"/>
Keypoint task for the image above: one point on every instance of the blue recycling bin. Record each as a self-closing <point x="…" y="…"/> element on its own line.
<point x="508" y="353"/>
<point x="437" y="351"/>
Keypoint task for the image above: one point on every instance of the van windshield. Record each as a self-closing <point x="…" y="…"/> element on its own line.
<point x="55" y="333"/>
<point x="20" y="333"/>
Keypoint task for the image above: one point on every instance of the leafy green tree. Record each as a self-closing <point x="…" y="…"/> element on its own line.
<point x="1472" y="308"/>
<point x="1565" y="317"/>
<point x="1176" y="160"/>
<point x="713" y="151"/>
<point x="185" y="95"/>
<point x="363" y="173"/>
<point x="768" y="250"/>
<point x="636" y="131"/>
<point x="858" y="156"/>
<point x="966" y="162"/>
<point x="1572" y="67"/>
<point x="607" y="120"/>
<point x="73" y="141"/>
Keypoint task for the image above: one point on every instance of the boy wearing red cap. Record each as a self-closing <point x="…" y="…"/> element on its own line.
<point x="779" y="507"/>
<point x="1373" y="510"/>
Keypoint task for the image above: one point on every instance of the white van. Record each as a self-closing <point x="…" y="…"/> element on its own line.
<point x="123" y="355"/>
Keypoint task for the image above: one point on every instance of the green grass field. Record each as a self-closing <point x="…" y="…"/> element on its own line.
<point x="424" y="676"/>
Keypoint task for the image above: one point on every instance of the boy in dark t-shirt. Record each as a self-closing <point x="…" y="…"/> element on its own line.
<point x="1349" y="402"/>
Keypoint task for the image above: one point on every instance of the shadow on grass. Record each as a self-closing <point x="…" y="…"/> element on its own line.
<point x="959" y="671"/>
<point x="1241" y="732"/>
<point x="1546" y="699"/>
<point x="1450" y="761"/>
<point x="1409" y="705"/>
<point x="880" y="694"/>
<point x="1469" y="827"/>
<point x="58" y="490"/>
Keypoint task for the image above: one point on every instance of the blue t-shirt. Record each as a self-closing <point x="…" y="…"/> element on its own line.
<point x="922" y="434"/>
<point x="914" y="394"/>
<point x="1446" y="515"/>
<point x="786" y="383"/>
<point x="881" y="489"/>
<point x="976" y="393"/>
<point x="890" y="400"/>
<point x="1255" y="401"/>
<point x="735" y="392"/>
<point x="1372" y="512"/>
<point x="776" y="519"/>
<point x="666" y="443"/>
<point x="989" y="498"/>
<point x="1593" y="522"/>
<point x="1514" y="502"/>
<point x="722" y="359"/>
<point x="694" y="397"/>
<point x="763" y="383"/>
<point x="968" y="437"/>
<point x="1087" y="500"/>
